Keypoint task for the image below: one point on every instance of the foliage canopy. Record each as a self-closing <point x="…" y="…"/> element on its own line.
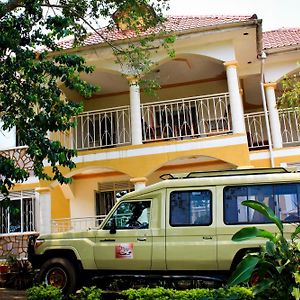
<point x="33" y="69"/>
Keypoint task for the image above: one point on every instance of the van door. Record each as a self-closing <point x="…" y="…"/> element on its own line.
<point x="191" y="229"/>
<point x="130" y="246"/>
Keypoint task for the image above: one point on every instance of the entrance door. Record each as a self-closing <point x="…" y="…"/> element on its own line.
<point x="130" y="247"/>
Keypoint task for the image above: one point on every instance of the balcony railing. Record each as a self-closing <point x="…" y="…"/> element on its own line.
<point x="180" y="118"/>
<point x="187" y="117"/>
<point x="257" y="132"/>
<point x="76" y="224"/>
<point x="192" y="117"/>
<point x="290" y="122"/>
<point x="103" y="128"/>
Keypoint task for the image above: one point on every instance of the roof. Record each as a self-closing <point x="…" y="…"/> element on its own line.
<point x="172" y="24"/>
<point x="282" y="37"/>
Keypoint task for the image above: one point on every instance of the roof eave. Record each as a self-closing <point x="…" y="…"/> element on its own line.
<point x="255" y="22"/>
<point x="283" y="49"/>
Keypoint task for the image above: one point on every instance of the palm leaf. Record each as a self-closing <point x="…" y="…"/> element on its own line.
<point x="266" y="211"/>
<point x="243" y="270"/>
<point x="296" y="232"/>
<point x="253" y="232"/>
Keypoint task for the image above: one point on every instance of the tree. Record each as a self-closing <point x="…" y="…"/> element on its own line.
<point x="33" y="67"/>
<point x="290" y="97"/>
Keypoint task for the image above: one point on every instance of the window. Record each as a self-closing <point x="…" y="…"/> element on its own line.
<point x="131" y="215"/>
<point x="19" y="216"/>
<point x="108" y="193"/>
<point x="190" y="208"/>
<point x="282" y="198"/>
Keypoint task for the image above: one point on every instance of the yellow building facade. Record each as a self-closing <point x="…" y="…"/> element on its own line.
<point x="216" y="110"/>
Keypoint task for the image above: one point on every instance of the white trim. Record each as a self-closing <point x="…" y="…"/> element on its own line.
<point x="173" y="148"/>
<point x="277" y="153"/>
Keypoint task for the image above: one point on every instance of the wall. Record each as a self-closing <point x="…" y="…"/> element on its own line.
<point x="168" y="93"/>
<point x="7" y="138"/>
<point x="14" y="245"/>
<point x="60" y="206"/>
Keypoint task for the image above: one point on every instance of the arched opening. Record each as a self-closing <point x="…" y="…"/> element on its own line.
<point x="183" y="165"/>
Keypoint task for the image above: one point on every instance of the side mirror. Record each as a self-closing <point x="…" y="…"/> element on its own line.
<point x="113" y="226"/>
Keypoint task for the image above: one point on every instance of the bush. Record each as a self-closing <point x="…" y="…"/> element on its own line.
<point x="88" y="293"/>
<point x="44" y="292"/>
<point x="233" y="293"/>
<point x="274" y="270"/>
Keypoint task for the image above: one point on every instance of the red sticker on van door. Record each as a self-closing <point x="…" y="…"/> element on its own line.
<point x="124" y="250"/>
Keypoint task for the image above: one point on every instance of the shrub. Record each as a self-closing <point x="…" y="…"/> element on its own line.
<point x="275" y="269"/>
<point x="88" y="293"/>
<point x="44" y="292"/>
<point x="236" y="293"/>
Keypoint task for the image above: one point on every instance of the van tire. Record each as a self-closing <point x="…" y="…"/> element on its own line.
<point x="60" y="273"/>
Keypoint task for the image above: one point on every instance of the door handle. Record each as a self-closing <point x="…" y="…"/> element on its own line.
<point x="207" y="238"/>
<point x="107" y="240"/>
<point x="142" y="239"/>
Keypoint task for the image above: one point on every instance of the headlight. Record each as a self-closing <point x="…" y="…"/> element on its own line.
<point x="38" y="243"/>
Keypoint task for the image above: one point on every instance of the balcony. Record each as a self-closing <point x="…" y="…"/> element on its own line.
<point x="257" y="132"/>
<point x="192" y="117"/>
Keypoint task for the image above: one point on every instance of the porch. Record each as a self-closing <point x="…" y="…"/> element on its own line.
<point x="177" y="119"/>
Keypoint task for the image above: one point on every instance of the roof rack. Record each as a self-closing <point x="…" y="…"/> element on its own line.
<point x="233" y="172"/>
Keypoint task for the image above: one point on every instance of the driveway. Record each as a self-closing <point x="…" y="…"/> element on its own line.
<point x="8" y="294"/>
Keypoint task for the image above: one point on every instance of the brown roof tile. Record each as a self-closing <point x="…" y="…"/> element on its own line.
<point x="282" y="37"/>
<point x="173" y="23"/>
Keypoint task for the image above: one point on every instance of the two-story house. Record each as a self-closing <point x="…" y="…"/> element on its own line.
<point x="216" y="109"/>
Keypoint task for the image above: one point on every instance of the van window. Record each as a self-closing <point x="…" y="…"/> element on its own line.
<point x="284" y="199"/>
<point x="131" y="215"/>
<point x="190" y="208"/>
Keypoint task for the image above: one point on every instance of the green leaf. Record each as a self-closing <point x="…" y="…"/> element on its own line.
<point x="263" y="286"/>
<point x="251" y="233"/>
<point x="266" y="211"/>
<point x="243" y="270"/>
<point x="296" y="232"/>
<point x="270" y="248"/>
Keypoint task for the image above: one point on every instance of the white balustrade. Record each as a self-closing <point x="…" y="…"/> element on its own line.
<point x="256" y="128"/>
<point x="76" y="224"/>
<point x="186" y="117"/>
<point x="103" y="128"/>
<point x="290" y="122"/>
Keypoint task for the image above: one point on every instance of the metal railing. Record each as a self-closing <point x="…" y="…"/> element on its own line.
<point x="102" y="128"/>
<point x="257" y="132"/>
<point x="186" y="117"/>
<point x="179" y="118"/>
<point x="76" y="224"/>
<point x="290" y="122"/>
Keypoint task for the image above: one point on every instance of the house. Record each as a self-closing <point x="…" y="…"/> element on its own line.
<point x="216" y="110"/>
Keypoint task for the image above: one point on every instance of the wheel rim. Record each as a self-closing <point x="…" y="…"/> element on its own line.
<point x="56" y="277"/>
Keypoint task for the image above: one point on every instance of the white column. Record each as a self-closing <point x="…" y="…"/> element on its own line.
<point x="139" y="183"/>
<point x="273" y="114"/>
<point x="135" y="111"/>
<point x="236" y="104"/>
<point x="43" y="209"/>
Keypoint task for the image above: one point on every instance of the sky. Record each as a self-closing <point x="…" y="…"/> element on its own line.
<point x="274" y="13"/>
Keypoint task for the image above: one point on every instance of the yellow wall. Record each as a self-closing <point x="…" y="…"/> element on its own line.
<point x="183" y="91"/>
<point x="60" y="205"/>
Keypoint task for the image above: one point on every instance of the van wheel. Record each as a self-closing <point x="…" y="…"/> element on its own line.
<point x="60" y="273"/>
